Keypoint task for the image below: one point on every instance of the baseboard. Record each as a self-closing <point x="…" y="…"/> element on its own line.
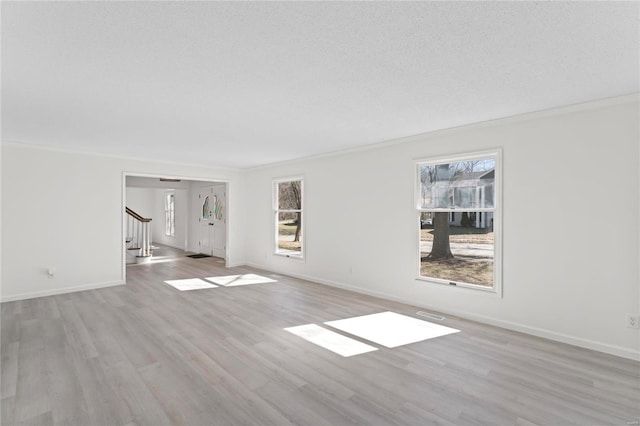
<point x="509" y="325"/>
<point x="170" y="245"/>
<point x="33" y="295"/>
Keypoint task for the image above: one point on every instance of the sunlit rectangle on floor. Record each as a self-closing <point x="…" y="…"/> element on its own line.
<point x="330" y="340"/>
<point x="390" y="329"/>
<point x="190" y="284"/>
<point x="234" y="280"/>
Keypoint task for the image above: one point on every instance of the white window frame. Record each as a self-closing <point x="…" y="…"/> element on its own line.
<point x="497" y="217"/>
<point x="276" y="211"/>
<point x="171" y="232"/>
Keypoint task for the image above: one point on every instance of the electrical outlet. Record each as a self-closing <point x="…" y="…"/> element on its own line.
<point x="633" y="321"/>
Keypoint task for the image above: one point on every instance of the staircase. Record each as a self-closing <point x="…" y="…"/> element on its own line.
<point x="138" y="239"/>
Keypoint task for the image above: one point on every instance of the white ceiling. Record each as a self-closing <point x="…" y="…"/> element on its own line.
<point x="240" y="84"/>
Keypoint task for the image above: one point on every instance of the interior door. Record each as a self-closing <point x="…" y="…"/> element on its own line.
<point x="212" y="221"/>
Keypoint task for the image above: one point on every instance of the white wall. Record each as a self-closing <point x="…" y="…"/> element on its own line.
<point x="142" y="201"/>
<point x="154" y="182"/>
<point x="64" y="210"/>
<point x="570" y="274"/>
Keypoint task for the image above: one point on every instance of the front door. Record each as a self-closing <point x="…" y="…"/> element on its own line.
<point x="212" y="220"/>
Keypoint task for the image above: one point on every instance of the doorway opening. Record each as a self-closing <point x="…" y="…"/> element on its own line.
<point x="167" y="218"/>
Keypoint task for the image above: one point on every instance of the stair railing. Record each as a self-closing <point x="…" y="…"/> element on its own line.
<point x="138" y="233"/>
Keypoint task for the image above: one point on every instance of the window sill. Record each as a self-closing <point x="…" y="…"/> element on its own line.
<point x="477" y="287"/>
<point x="293" y="255"/>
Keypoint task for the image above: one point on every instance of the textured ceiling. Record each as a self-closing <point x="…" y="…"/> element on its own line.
<point x="241" y="84"/>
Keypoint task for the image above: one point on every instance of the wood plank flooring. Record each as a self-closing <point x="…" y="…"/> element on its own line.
<point x="148" y="354"/>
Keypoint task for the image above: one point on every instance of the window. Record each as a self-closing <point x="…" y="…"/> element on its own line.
<point x="288" y="204"/>
<point x="169" y="215"/>
<point x="459" y="243"/>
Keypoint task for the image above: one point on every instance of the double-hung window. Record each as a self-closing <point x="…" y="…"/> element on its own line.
<point x="169" y="215"/>
<point x="288" y="209"/>
<point x="458" y="207"/>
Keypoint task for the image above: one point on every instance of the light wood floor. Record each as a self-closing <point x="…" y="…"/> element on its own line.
<point x="161" y="253"/>
<point x="147" y="354"/>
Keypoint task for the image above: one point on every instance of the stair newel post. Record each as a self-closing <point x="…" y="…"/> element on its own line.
<point x="139" y="239"/>
<point x="145" y="239"/>
<point x="143" y="249"/>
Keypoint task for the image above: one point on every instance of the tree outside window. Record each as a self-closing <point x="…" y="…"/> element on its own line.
<point x="457" y="206"/>
<point x="288" y="217"/>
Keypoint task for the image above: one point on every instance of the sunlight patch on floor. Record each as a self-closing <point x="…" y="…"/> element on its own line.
<point x="236" y="280"/>
<point x="330" y="340"/>
<point x="190" y="284"/>
<point x="390" y="329"/>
